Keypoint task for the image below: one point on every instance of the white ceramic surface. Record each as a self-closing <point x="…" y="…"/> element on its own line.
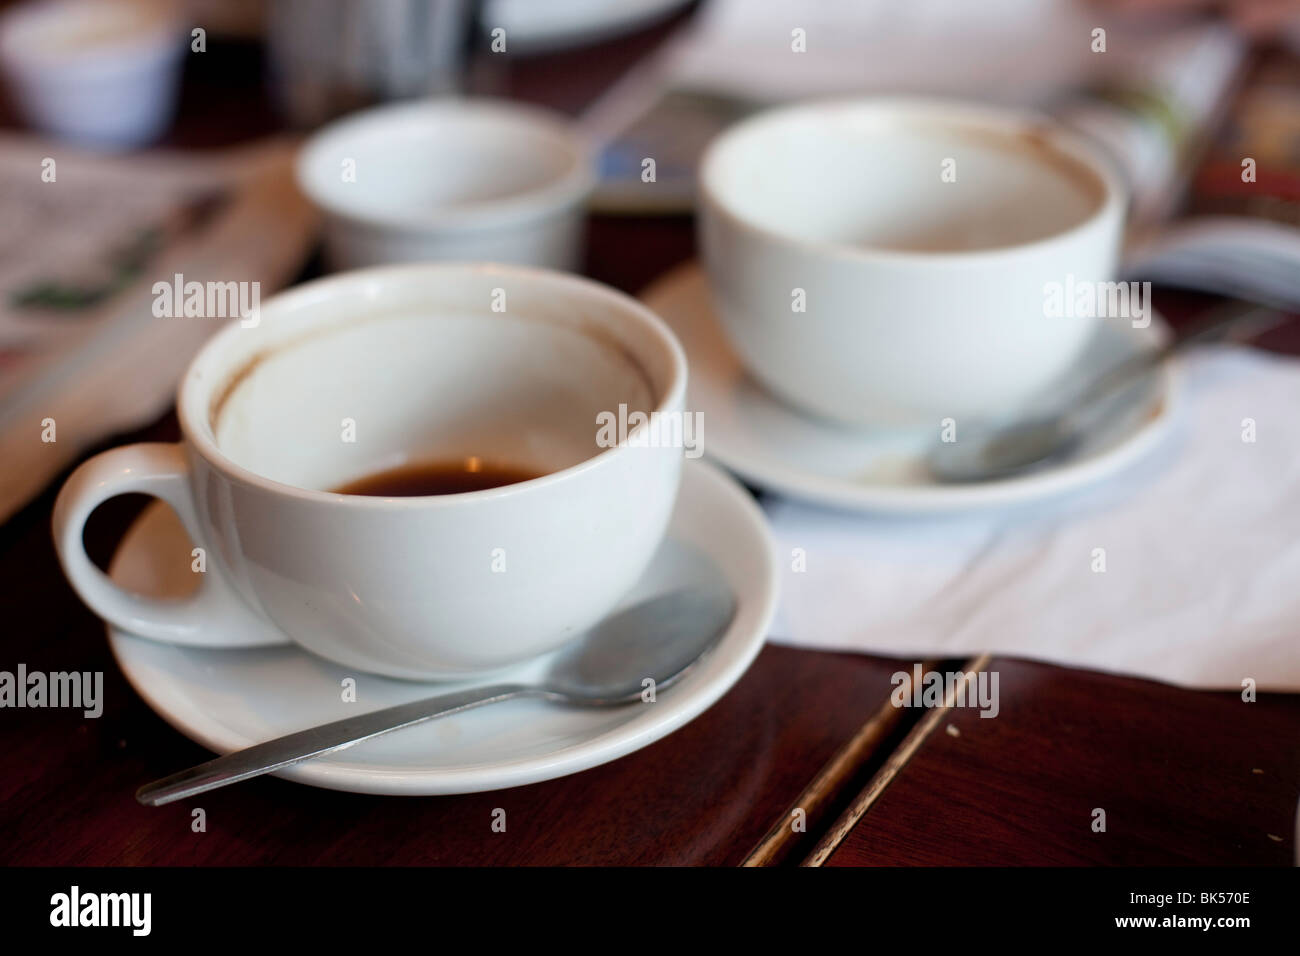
<point x="923" y="298"/>
<point x="776" y="447"/>
<point x="466" y="179"/>
<point x="358" y="373"/>
<point x="554" y="25"/>
<point x="227" y="699"/>
<point x="99" y="73"/>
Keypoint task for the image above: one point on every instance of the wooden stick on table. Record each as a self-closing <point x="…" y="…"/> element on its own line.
<point x="896" y="762"/>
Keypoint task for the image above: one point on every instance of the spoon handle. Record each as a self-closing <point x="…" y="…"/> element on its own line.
<point x="1216" y="323"/>
<point x="288" y="750"/>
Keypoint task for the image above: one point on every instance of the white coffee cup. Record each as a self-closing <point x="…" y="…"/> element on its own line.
<point x="98" y="73"/>
<point x="450" y="179"/>
<point x="918" y="238"/>
<point x="351" y="375"/>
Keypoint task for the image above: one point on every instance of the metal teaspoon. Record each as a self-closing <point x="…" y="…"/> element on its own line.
<point x="1002" y="450"/>
<point x="661" y="639"/>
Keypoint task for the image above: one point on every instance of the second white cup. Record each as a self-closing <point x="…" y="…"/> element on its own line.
<point x="885" y="262"/>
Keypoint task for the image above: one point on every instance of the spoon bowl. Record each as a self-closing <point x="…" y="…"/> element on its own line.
<point x="660" y="640"/>
<point x="995" y="452"/>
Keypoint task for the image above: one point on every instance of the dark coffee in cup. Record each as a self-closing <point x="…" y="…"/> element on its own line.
<point x="436" y="478"/>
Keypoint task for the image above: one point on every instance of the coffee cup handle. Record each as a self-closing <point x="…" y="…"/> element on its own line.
<point x="160" y="470"/>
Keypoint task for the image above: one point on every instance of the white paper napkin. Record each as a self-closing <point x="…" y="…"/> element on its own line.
<point x="1200" y="543"/>
<point x="747" y="49"/>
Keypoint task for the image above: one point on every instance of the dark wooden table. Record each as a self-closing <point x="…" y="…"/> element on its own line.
<point x="1184" y="777"/>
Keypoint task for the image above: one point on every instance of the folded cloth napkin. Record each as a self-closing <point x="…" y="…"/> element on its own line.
<point x="1184" y="568"/>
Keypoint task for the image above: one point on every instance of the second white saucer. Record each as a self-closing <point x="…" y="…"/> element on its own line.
<point x="778" y="448"/>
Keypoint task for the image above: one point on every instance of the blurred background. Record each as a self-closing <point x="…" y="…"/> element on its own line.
<point x="143" y="138"/>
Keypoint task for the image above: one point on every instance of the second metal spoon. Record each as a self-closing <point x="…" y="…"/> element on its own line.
<point x="1001" y="450"/>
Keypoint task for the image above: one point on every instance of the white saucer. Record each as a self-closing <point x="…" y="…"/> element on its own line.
<point x="561" y="24"/>
<point x="228" y="699"/>
<point x="775" y="447"/>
